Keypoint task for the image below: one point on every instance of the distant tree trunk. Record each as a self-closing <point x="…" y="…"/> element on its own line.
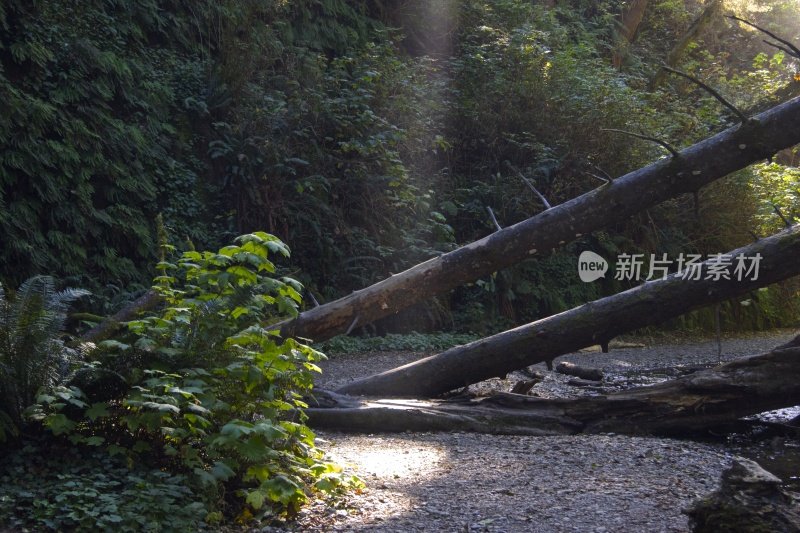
<point x="628" y="28"/>
<point x="692" y="404"/>
<point x="109" y="326"/>
<point x="650" y="303"/>
<point x="691" y="34"/>
<point x="697" y="166"/>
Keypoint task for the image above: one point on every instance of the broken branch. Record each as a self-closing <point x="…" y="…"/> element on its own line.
<point x="793" y="50"/>
<point x="530" y="185"/>
<point x="778" y="212"/>
<point x="494" y="218"/>
<point x="711" y="91"/>
<point x="661" y="143"/>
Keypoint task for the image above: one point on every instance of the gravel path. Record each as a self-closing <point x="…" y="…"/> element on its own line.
<point x="473" y="482"/>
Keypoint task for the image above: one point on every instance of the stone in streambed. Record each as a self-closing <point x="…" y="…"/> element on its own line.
<point x="750" y="499"/>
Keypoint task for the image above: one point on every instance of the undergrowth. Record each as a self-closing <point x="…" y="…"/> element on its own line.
<point x="68" y="488"/>
<point x="394" y="342"/>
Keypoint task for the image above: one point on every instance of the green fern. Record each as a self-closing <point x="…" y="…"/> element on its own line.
<point x="32" y="355"/>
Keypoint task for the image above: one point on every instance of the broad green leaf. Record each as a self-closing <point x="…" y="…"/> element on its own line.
<point x="256" y="499"/>
<point x="97" y="410"/>
<point x="59" y="424"/>
<point x="222" y="471"/>
<point x="162" y="407"/>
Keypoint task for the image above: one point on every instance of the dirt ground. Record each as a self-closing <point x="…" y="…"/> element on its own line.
<point x="473" y="482"/>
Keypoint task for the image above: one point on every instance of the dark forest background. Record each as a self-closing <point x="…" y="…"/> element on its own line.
<point x="370" y="136"/>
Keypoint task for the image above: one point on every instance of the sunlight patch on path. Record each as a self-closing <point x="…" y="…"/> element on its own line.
<point x="418" y="461"/>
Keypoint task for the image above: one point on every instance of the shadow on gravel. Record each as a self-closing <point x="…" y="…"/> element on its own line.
<point x="474" y="482"/>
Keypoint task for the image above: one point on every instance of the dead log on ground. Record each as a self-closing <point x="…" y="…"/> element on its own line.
<point x="694" y="168"/>
<point x="648" y="304"/>
<point x="571" y="369"/>
<point x="693" y="404"/>
<point x="109" y="326"/>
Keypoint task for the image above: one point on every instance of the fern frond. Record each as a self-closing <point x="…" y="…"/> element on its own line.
<point x="62" y="300"/>
<point x="28" y="309"/>
<point x="32" y="355"/>
<point x="8" y="429"/>
<point x="5" y="318"/>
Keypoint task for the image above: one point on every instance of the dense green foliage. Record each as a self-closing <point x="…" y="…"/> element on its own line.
<point x="99" y="99"/>
<point x="369" y="136"/>
<point x="32" y="354"/>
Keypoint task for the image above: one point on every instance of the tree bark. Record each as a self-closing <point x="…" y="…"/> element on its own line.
<point x="107" y="327"/>
<point x="629" y="26"/>
<point x="692" y="404"/>
<point x="650" y="303"/>
<point x="696" y="166"/>
<point x="690" y="35"/>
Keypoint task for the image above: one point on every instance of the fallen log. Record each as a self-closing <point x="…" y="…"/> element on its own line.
<point x="571" y="369"/>
<point x="109" y="326"/>
<point x="693" y="404"/>
<point x="693" y="168"/>
<point x="648" y="304"/>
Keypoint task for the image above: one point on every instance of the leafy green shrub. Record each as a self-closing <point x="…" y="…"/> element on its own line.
<point x="78" y="488"/>
<point x="215" y="393"/>
<point x="32" y="355"/>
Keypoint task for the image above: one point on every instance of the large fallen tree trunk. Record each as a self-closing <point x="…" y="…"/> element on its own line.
<point x="592" y="323"/>
<point x="693" y="168"/>
<point x="691" y="404"/>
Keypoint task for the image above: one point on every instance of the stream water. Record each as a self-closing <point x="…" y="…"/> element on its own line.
<point x="780" y="454"/>
<point x="775" y="448"/>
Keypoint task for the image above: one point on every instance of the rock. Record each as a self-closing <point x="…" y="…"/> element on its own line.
<point x="749" y="499"/>
<point x="524" y="386"/>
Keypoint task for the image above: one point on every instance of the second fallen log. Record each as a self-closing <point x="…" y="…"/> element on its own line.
<point x="693" y="404"/>
<point x="599" y="321"/>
